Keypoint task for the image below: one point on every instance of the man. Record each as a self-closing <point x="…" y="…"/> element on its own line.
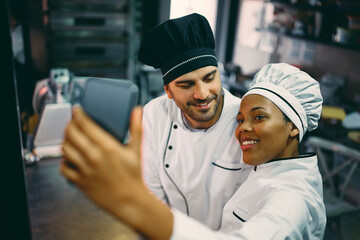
<point x="191" y="159"/>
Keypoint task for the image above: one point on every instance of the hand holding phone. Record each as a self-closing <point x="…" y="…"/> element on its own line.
<point x="109" y="103"/>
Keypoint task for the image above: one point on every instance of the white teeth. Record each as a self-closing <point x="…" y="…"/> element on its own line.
<point x="248" y="142"/>
<point x="202" y="105"/>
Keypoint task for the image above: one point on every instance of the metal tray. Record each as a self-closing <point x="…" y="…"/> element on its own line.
<point x="88" y="51"/>
<point x="90" y="21"/>
<point x="89" y="5"/>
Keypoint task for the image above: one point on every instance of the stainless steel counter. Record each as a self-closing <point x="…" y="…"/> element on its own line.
<point x="58" y="210"/>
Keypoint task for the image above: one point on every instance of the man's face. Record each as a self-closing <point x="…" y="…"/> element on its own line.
<point x="198" y="94"/>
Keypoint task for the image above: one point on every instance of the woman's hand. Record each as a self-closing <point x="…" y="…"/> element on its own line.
<point x="110" y="173"/>
<point x="97" y="163"/>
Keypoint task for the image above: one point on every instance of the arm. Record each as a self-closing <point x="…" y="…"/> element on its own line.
<point x="109" y="173"/>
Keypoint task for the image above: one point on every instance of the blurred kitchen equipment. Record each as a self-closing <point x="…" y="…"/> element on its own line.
<point x="315" y="2"/>
<point x="338" y="177"/>
<point x="331" y="112"/>
<point x="329" y="86"/>
<point x="299" y="28"/>
<point x="354" y="136"/>
<point x="55" y="89"/>
<point x="332" y="116"/>
<point x="354" y="22"/>
<point x="348" y="4"/>
<point x="151" y="83"/>
<point x="352" y="121"/>
<point x="50" y="131"/>
<point x="347" y="36"/>
<point x="296" y="1"/>
<point x="31" y="158"/>
<point x="53" y="107"/>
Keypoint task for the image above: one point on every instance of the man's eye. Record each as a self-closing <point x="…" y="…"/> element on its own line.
<point x="185" y="86"/>
<point x="209" y="79"/>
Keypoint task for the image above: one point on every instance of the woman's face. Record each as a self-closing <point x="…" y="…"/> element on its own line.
<point x="263" y="132"/>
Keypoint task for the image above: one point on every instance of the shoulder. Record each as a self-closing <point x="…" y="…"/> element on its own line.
<point x="158" y="105"/>
<point x="159" y="109"/>
<point x="232" y="98"/>
<point x="231" y="101"/>
<point x="300" y="201"/>
<point x="231" y="104"/>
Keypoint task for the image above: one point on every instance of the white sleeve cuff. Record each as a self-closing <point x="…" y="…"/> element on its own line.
<point x="188" y="228"/>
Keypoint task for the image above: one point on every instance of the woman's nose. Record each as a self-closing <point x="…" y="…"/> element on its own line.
<point x="245" y="126"/>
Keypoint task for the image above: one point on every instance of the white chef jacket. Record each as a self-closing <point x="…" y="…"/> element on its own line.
<point x="281" y="199"/>
<point x="194" y="172"/>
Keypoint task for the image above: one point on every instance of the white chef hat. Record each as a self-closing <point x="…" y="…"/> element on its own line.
<point x="293" y="91"/>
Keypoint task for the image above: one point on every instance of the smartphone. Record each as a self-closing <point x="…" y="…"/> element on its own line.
<point x="109" y="103"/>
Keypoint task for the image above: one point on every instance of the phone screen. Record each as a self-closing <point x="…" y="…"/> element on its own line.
<point x="110" y="102"/>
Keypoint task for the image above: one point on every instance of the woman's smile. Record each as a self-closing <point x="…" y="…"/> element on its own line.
<point x="247" y="143"/>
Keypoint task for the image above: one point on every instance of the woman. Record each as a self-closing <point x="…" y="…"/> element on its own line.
<point x="282" y="197"/>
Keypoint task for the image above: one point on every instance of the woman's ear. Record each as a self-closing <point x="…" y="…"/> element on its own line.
<point x="294" y="131"/>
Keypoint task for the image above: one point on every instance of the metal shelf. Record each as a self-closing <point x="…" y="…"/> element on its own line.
<point x="100" y="37"/>
<point x="330" y="9"/>
<point x="314" y="40"/>
<point x="334" y="11"/>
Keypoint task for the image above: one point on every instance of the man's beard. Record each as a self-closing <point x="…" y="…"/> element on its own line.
<point x="196" y="115"/>
<point x="206" y="114"/>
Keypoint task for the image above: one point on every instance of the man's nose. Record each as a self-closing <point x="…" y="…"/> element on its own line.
<point x="201" y="91"/>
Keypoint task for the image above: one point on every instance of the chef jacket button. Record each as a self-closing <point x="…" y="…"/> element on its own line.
<point x="167" y="165"/>
<point x="175" y="126"/>
<point x="170" y="147"/>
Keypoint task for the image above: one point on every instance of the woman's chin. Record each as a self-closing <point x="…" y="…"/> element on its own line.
<point x="249" y="161"/>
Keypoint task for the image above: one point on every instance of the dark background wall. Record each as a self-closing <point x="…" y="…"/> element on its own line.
<point x="14" y="218"/>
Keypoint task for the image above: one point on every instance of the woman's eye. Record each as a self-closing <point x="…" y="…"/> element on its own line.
<point x="240" y="120"/>
<point x="259" y="117"/>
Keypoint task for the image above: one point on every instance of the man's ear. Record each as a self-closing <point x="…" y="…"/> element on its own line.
<point x="294" y="131"/>
<point x="168" y="92"/>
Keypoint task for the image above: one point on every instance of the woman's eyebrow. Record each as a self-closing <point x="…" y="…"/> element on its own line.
<point x="256" y="108"/>
<point x="253" y="109"/>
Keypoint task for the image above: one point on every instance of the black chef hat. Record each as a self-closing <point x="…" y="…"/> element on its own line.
<point x="179" y="46"/>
